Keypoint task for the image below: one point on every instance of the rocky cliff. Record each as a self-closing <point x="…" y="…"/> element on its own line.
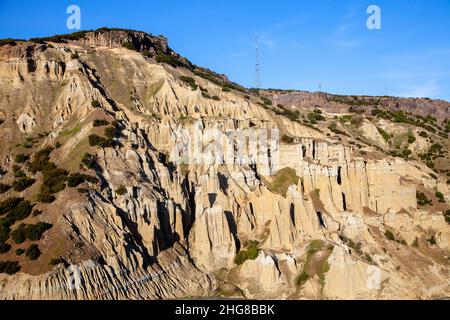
<point x="136" y="216"/>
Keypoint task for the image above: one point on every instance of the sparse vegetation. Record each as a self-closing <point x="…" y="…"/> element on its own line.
<point x="316" y="116"/>
<point x="285" y="178"/>
<point x="386" y="136"/>
<point x="190" y="81"/>
<point x="251" y="253"/>
<point x="128" y="45"/>
<point x="315" y="264"/>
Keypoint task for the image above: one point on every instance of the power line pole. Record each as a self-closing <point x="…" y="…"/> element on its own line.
<point x="257" y="64"/>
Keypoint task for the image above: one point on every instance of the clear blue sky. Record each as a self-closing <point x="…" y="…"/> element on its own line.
<point x="303" y="43"/>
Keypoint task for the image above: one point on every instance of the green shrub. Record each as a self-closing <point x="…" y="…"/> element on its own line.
<point x="386" y="136"/>
<point x="45" y="198"/>
<point x="100" y="123"/>
<point x="23" y="184"/>
<point x="21" y="158"/>
<point x="389" y="235"/>
<point x="121" y="190"/>
<point x="447" y="216"/>
<point x="95" y="104"/>
<point x="128" y="45"/>
<point x="266" y="101"/>
<point x="18" y="235"/>
<point x="411" y="138"/>
<point x="9" y="267"/>
<point x="250" y="254"/>
<point x="21" y="211"/>
<point x="75" y="180"/>
<point x="287" y="139"/>
<point x="33" y="252"/>
<point x="4" y="247"/>
<point x="169" y="59"/>
<point x="34" y="232"/>
<point x="56" y="261"/>
<point x="422" y="199"/>
<point x="315" y="117"/>
<point x="302" y="278"/>
<point x="20" y="252"/>
<point x="74" y="56"/>
<point x="36" y="213"/>
<point x="406" y="153"/>
<point x="190" y="81"/>
<point x="54" y="181"/>
<point x="18" y="172"/>
<point x="432" y="240"/>
<point x="41" y="161"/>
<point x="440" y="197"/>
<point x="430" y="164"/>
<point x="95" y="140"/>
<point x="4" y="188"/>
<point x="9" y="204"/>
<point x="83" y="190"/>
<point x="111" y="132"/>
<point x="89" y="161"/>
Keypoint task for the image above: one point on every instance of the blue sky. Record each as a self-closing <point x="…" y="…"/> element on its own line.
<point x="302" y="43"/>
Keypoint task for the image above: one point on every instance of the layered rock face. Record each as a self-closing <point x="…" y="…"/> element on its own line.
<point x="307" y="221"/>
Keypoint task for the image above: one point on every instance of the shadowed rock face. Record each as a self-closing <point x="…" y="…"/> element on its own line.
<point x="152" y="228"/>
